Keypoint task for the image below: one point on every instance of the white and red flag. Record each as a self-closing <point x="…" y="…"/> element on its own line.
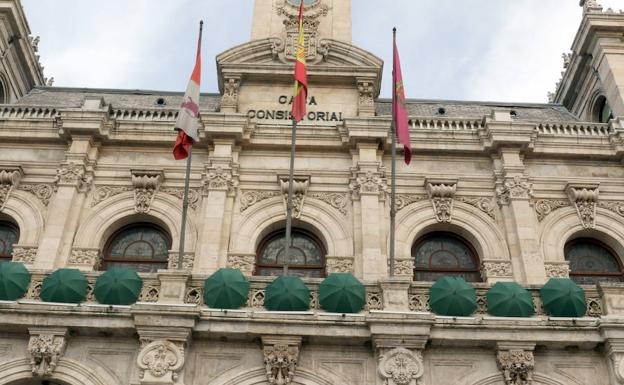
<point x="186" y="123"/>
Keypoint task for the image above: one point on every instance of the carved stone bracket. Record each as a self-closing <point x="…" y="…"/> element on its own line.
<point x="246" y="263"/>
<point x="88" y="258"/>
<point x="42" y="191"/>
<point x="516" y="363"/>
<point x="496" y="269"/>
<point x="250" y="198"/>
<point x="300" y="188"/>
<point x="557" y="269"/>
<point x="544" y="207"/>
<point x="281" y="355"/>
<point x="46" y="347"/>
<point x="25" y="254"/>
<point x="441" y="194"/>
<point x="368" y="183"/>
<point x="339" y="264"/>
<point x="615" y="351"/>
<point x="160" y="361"/>
<point x="584" y="198"/>
<point x="9" y="180"/>
<point x="146" y="184"/>
<point x="515" y="188"/>
<point x="220" y="178"/>
<point x="72" y="174"/>
<point x="401" y="366"/>
<point x="366" y="92"/>
<point x="229" y="99"/>
<point x="187" y="261"/>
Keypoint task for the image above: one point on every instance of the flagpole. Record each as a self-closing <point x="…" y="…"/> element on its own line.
<point x="290" y="197"/>
<point x="185" y="208"/>
<point x="393" y="191"/>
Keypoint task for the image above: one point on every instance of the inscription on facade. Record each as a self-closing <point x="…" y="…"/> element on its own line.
<point x="284" y="114"/>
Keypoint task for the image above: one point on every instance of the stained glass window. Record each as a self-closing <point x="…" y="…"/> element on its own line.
<point x="441" y="253"/>
<point x="9" y="235"/>
<point x="307" y="255"/>
<point x="592" y="262"/>
<point x="306" y="3"/>
<point x="605" y="113"/>
<point x="143" y="247"/>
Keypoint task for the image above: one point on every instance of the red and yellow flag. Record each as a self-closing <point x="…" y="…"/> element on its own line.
<point x="301" y="80"/>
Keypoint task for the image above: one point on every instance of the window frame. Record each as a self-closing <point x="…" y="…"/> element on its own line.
<point x="322" y="267"/>
<point x="106" y="259"/>
<point x="468" y="245"/>
<point x="15" y="228"/>
<point x="598" y="243"/>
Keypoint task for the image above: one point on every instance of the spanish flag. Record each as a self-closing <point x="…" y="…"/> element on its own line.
<point x="301" y="81"/>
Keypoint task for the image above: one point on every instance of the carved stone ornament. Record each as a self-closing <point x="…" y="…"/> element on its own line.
<point x="404" y="267"/>
<point x="220" y="179"/>
<point x="616" y="207"/>
<point x="300" y="188"/>
<point x="250" y="198"/>
<point x="496" y="269"/>
<point x="85" y="257"/>
<point x="178" y="192"/>
<point x="336" y="200"/>
<point x="484" y="204"/>
<point x="366" y="92"/>
<point x="615" y="351"/>
<point x="280" y="361"/>
<point x="229" y="99"/>
<point x="9" y="179"/>
<point x="516" y="188"/>
<point x="104" y="192"/>
<point x="339" y="264"/>
<point x="517" y="366"/>
<point x="71" y="174"/>
<point x="401" y="366"/>
<point x="43" y="192"/>
<point x="404" y="200"/>
<point x="187" y="261"/>
<point x="441" y="196"/>
<point x="246" y="263"/>
<point x="368" y="183"/>
<point x="590" y="6"/>
<point x="584" y="198"/>
<point x="160" y="362"/>
<point x="544" y="207"/>
<point x="45" y="350"/>
<point x="146" y="185"/>
<point x="24" y="254"/>
<point x="557" y="270"/>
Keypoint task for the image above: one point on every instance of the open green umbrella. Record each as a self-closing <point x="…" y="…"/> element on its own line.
<point x="14" y="280"/>
<point x="226" y="289"/>
<point x="287" y="293"/>
<point x="118" y="286"/>
<point x="64" y="285"/>
<point x="452" y="296"/>
<point x="508" y="299"/>
<point x="342" y="293"/>
<point x="563" y="298"/>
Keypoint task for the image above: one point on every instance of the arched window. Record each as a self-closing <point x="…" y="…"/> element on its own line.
<point x="307" y="255"/>
<point x="9" y="235"/>
<point x="602" y="110"/>
<point x="591" y="262"/>
<point x="143" y="247"/>
<point x="441" y="253"/>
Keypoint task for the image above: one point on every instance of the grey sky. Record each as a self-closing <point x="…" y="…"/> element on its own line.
<point x="500" y="50"/>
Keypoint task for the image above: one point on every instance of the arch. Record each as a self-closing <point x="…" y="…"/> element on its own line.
<point x="112" y="214"/>
<point x="68" y="371"/>
<point x="538" y="379"/>
<point x="27" y="213"/>
<point x="268" y="215"/>
<point x="472" y="224"/>
<point x="564" y="225"/>
<point x="258" y="377"/>
<point x="434" y="254"/>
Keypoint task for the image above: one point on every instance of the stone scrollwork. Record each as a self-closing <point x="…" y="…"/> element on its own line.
<point x="496" y="269"/>
<point x="24" y="254"/>
<point x="441" y="195"/>
<point x="43" y="192"/>
<point x="246" y="263"/>
<point x="516" y="188"/>
<point x="250" y="198"/>
<point x="45" y="348"/>
<point x="557" y="269"/>
<point x="616" y="207"/>
<point x="280" y="361"/>
<point x="9" y="179"/>
<point x="339" y="264"/>
<point x="404" y="200"/>
<point x="146" y="185"/>
<point x="178" y="192"/>
<point x="484" y="204"/>
<point x="544" y="207"/>
<point x="219" y="178"/>
<point x="187" y="261"/>
<point x="516" y="366"/>
<point x="404" y="267"/>
<point x="584" y="199"/>
<point x="335" y="200"/>
<point x="160" y="361"/>
<point x="85" y="257"/>
<point x="72" y="174"/>
<point x="401" y="366"/>
<point x="299" y="191"/>
<point x="104" y="192"/>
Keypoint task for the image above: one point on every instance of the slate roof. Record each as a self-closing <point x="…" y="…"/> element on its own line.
<point x="138" y="99"/>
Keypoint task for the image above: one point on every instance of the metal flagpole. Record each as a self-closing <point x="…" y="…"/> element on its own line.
<point x="185" y="208"/>
<point x="289" y="202"/>
<point x="393" y="192"/>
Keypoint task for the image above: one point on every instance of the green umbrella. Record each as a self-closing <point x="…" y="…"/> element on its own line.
<point x="118" y="286"/>
<point x="452" y="296"/>
<point x="287" y="294"/>
<point x="342" y="293"/>
<point x="226" y="289"/>
<point x="14" y="280"/>
<point x="508" y="299"/>
<point x="563" y="298"/>
<point x="64" y="285"/>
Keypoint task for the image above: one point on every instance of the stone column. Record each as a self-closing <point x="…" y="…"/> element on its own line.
<point x="216" y="210"/>
<point x="369" y="188"/>
<point x="514" y="191"/>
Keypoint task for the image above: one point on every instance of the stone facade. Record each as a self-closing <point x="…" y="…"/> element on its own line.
<point x="515" y="181"/>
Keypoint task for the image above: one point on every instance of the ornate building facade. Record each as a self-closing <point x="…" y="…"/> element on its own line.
<point x="496" y="192"/>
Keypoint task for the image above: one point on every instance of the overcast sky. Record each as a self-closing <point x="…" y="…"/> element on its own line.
<point x="496" y="50"/>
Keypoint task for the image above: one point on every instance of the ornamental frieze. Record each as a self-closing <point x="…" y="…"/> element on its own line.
<point x="338" y="201"/>
<point x="250" y="198"/>
<point x="178" y="192"/>
<point x="25" y="254"/>
<point x="339" y="265"/>
<point x="85" y="257"/>
<point x="104" y="192"/>
<point x="187" y="261"/>
<point x="43" y="192"/>
<point x="246" y="263"/>
<point x="544" y="207"/>
<point x="404" y="200"/>
<point x="484" y="204"/>
<point x="496" y="269"/>
<point x="401" y="366"/>
<point x="557" y="269"/>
